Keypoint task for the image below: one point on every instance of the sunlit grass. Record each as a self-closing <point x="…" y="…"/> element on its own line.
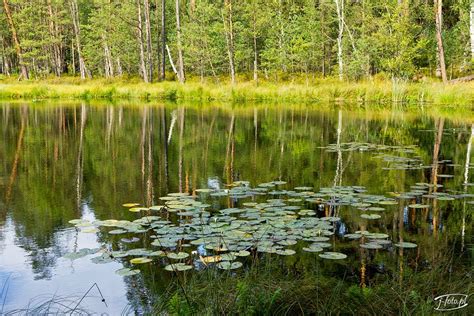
<point x="374" y="92"/>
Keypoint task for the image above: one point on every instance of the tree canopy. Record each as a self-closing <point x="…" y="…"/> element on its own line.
<point x="244" y="40"/>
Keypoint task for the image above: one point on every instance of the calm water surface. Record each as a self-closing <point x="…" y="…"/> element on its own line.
<point x="59" y="163"/>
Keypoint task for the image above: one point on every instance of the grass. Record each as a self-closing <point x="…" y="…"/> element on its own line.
<point x="377" y="91"/>
<point x="272" y="289"/>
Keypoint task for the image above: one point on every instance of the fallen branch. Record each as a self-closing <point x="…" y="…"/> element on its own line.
<point x="462" y="79"/>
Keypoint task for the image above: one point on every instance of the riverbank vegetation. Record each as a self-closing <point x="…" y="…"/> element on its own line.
<point x="375" y="92"/>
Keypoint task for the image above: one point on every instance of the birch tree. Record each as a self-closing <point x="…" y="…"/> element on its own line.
<point x="149" y="48"/>
<point x="229" y="33"/>
<point x="472" y="29"/>
<point x="179" y="44"/>
<point x="438" y="4"/>
<point x="77" y="34"/>
<point x="340" y="20"/>
<point x="143" y="69"/>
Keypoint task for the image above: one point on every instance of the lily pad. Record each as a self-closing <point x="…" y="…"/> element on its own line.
<point x="418" y="206"/>
<point x="127" y="272"/>
<point x="371" y="245"/>
<point x="130" y="204"/>
<point x="405" y="245"/>
<point x="178" y="256"/>
<point x="333" y="255"/>
<point x="178" y="267"/>
<point x="227" y="265"/>
<point x="312" y="249"/>
<point x="137" y="209"/>
<point x="286" y="252"/>
<point x="370" y="216"/>
<point x="140" y="260"/>
<point x="117" y="231"/>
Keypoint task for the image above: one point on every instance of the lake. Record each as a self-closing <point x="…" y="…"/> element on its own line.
<point x="362" y="196"/>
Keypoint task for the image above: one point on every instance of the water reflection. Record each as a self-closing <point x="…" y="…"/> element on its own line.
<point x="58" y="163"/>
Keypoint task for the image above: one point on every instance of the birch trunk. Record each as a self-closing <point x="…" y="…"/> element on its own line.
<point x="228" y="28"/>
<point x="77" y="34"/>
<point x="158" y="37"/>
<point x="163" y="40"/>
<point x="472" y="30"/>
<point x="439" y="39"/>
<point x="255" y="52"/>
<point x="16" y="41"/>
<point x="119" y="67"/>
<point x="149" y="48"/>
<point x="5" y="64"/>
<point x="171" y="61"/>
<point x="55" y="43"/>
<point x="180" y="50"/>
<point x="108" y="64"/>
<point x="140" y="41"/>
<point x="340" y="19"/>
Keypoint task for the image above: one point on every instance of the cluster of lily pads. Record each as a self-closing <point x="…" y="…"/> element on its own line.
<point x="186" y="233"/>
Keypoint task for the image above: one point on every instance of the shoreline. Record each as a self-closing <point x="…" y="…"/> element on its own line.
<point x="381" y="93"/>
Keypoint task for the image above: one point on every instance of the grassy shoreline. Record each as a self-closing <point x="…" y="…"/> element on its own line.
<point x="378" y="92"/>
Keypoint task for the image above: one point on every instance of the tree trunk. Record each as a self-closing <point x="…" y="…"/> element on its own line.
<point x="119" y="67"/>
<point x="171" y="61"/>
<point x="108" y="64"/>
<point x="16" y="41"/>
<point x="228" y="28"/>
<point x="55" y="42"/>
<point x="255" y="52"/>
<point x="163" y="40"/>
<point x="255" y="59"/>
<point x="5" y="63"/>
<point x="140" y="41"/>
<point x="340" y="19"/>
<point x="77" y="34"/>
<point x="158" y="38"/>
<point x="439" y="27"/>
<point x="149" y="48"/>
<point x="179" y="44"/>
<point x="472" y="30"/>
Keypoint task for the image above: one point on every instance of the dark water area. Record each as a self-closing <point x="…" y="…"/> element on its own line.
<point x="84" y="161"/>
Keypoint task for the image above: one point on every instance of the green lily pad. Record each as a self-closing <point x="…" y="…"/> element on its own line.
<point x="286" y="252"/>
<point x="405" y="245"/>
<point x="445" y="198"/>
<point x="137" y="209"/>
<point x="127" y="272"/>
<point x="140" y="260"/>
<point x="228" y="265"/>
<point x="117" y="231"/>
<point x="312" y="248"/>
<point x="371" y="245"/>
<point x="178" y="267"/>
<point x="104" y="258"/>
<point x="418" y="206"/>
<point x="370" y="216"/>
<point x="376" y="209"/>
<point x="287" y="242"/>
<point x="228" y="257"/>
<point x="81" y="253"/>
<point x="130" y="205"/>
<point x="353" y="236"/>
<point x="178" y="256"/>
<point x="333" y="255"/>
<point x="242" y="253"/>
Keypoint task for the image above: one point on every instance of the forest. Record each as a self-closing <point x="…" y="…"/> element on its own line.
<point x="236" y="41"/>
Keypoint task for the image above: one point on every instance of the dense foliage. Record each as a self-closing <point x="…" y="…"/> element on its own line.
<point x="273" y="39"/>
